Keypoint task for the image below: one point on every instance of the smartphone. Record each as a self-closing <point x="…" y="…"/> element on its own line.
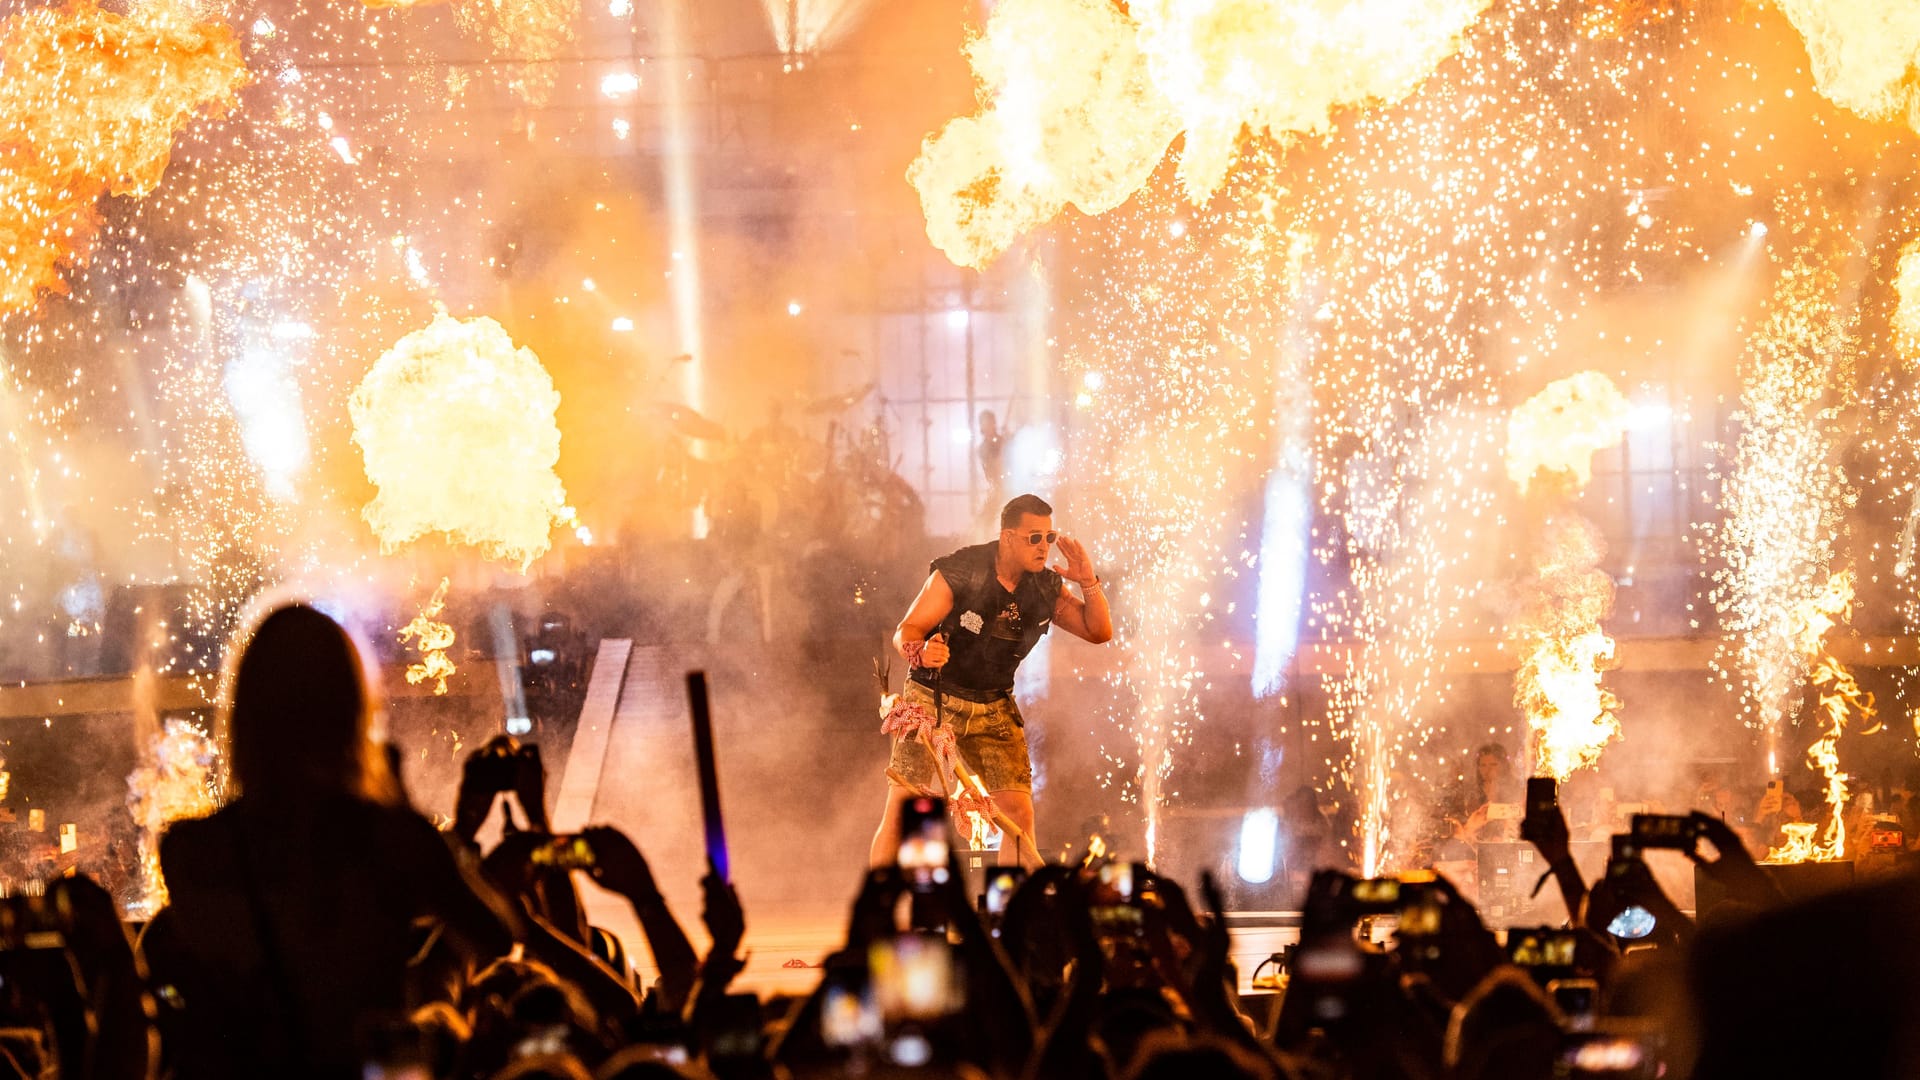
<point x="564" y="853"/>
<point x="1332" y="959"/>
<point x="1420" y="915"/>
<point x="1114" y="905"/>
<point x="1542" y="948"/>
<point x="1002" y="883"/>
<point x="1116" y="883"/>
<point x="1664" y="831"/>
<point x="924" y="844"/>
<point x="737" y="1029"/>
<point x="849" y="1011"/>
<point x="395" y="1050"/>
<point x="1577" y="999"/>
<point x="1374" y="896"/>
<point x="1543" y="796"/>
<point x="1596" y="1055"/>
<point x="916" y="977"/>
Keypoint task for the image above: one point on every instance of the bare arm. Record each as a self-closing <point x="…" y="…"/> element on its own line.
<point x="929" y="609"/>
<point x="1087" y="617"/>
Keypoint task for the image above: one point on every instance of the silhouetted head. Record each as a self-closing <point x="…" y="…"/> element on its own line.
<point x="300" y="712"/>
<point x="1492" y="765"/>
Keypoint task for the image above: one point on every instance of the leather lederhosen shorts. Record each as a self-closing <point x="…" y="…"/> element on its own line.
<point x="991" y="736"/>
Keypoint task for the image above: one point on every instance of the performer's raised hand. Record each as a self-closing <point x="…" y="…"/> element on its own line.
<point x="1079" y="567"/>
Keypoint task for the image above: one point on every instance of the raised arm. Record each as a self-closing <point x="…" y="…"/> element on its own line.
<point x="1086" y="616"/>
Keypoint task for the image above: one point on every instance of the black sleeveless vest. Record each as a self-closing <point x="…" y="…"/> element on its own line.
<point x="988" y="630"/>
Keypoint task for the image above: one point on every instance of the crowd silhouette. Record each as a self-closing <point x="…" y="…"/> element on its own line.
<point x="318" y="925"/>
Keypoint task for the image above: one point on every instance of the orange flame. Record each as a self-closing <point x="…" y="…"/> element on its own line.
<point x="1906" y="317"/>
<point x="1557" y="686"/>
<point x="1863" y="53"/>
<point x="1553" y="437"/>
<point x="1081" y="99"/>
<point x="90" y="106"/>
<point x="176" y="782"/>
<point x="1071" y="118"/>
<point x="1559" y="429"/>
<point x="1840" y="695"/>
<point x="1284" y="67"/>
<point x="457" y="429"/>
<point x="433" y="638"/>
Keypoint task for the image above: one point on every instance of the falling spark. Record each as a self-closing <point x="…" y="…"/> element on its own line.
<point x="91" y="103"/>
<point x="432" y="638"/>
<point x="532" y="32"/>
<point x="457" y="429"/>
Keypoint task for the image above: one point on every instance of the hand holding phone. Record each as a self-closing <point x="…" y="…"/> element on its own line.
<point x="1774" y="798"/>
<point x="1544" y="826"/>
<point x="925" y="850"/>
<point x="1002" y="883"/>
<point x="564" y="853"/>
<point x="1672" y="831"/>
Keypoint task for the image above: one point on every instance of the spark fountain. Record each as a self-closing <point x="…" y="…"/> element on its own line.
<point x="1393" y="210"/>
<point x="1784" y="500"/>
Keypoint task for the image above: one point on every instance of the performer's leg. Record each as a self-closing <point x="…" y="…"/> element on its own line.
<point x="1018" y="806"/>
<point x="885" y="850"/>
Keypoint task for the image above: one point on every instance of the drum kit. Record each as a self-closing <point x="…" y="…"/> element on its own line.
<point x="853" y="457"/>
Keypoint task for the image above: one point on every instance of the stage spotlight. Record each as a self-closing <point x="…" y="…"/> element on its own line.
<point x="1259" y="846"/>
<point x="1757" y="230"/>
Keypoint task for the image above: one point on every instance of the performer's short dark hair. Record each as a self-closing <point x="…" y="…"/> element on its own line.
<point x="1022" y="505"/>
<point x="1493" y="749"/>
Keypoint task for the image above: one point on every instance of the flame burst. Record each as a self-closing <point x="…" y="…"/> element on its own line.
<point x="1570" y="716"/>
<point x="1072" y="118"/>
<point x="1559" y="429"/>
<point x="1864" y="53"/>
<point x="1906" y="317"/>
<point x="1082" y="99"/>
<point x="1282" y="67"/>
<point x="433" y="638"/>
<point x="1839" y="696"/>
<point x="142" y="77"/>
<point x="176" y="782"/>
<point x="457" y="428"/>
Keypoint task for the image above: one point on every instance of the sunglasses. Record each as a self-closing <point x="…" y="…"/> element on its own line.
<point x="1036" y="537"/>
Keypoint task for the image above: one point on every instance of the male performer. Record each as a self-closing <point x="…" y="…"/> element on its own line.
<point x="982" y="609"/>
